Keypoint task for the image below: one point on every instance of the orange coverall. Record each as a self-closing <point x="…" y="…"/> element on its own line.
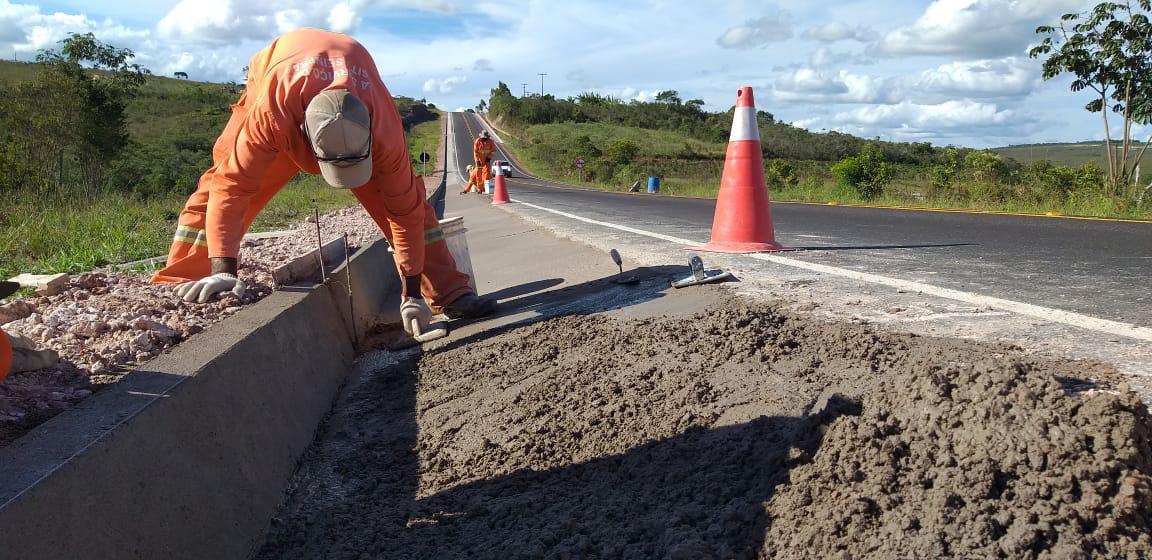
<point x="263" y="147"/>
<point x="483" y="150"/>
<point x="475" y="180"/>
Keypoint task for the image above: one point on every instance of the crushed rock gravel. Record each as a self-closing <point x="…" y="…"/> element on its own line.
<point x="108" y="323"/>
<point x="746" y="433"/>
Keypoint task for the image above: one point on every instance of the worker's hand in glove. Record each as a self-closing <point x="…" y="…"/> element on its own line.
<point x="415" y="315"/>
<point x="202" y="290"/>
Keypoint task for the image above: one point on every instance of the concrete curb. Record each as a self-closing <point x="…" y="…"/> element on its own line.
<point x="190" y="457"/>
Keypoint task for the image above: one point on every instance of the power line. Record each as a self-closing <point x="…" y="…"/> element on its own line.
<point x="523" y="89"/>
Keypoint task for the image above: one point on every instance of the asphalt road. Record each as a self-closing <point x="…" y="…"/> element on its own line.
<point x="1097" y="268"/>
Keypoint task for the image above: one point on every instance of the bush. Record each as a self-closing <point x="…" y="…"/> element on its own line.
<point x="622" y="151"/>
<point x="781" y="174"/>
<point x="867" y="173"/>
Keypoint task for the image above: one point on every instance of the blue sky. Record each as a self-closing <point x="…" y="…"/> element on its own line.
<point x="943" y="71"/>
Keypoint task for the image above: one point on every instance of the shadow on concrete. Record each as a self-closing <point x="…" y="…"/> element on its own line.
<point x="878" y="247"/>
<point x="587" y="298"/>
<point x="524" y="289"/>
<point x="697" y="494"/>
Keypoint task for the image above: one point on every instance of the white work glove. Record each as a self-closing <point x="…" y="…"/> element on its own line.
<point x="415" y="315"/>
<point x="203" y="289"/>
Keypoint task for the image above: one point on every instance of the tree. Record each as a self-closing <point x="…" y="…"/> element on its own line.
<point x="75" y="106"/>
<point x="481" y="106"/>
<point x="1107" y="50"/>
<point x="180" y="75"/>
<point x="671" y="96"/>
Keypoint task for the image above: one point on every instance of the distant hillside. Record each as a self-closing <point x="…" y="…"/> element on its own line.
<point x="172" y="124"/>
<point x="1070" y="154"/>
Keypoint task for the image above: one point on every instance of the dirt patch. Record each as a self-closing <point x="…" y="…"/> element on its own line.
<point x="746" y="433"/>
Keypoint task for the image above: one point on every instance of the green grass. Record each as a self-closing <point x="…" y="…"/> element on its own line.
<point x="690" y="167"/>
<point x="1072" y="155"/>
<point x="425" y="137"/>
<point x="52" y="233"/>
<point x="655" y="143"/>
<point x="15" y="72"/>
<point x="47" y="235"/>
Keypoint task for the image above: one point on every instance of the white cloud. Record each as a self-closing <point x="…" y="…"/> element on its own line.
<point x="975" y="28"/>
<point x="221" y="22"/>
<point x="447" y="85"/>
<point x="343" y="18"/>
<point x="628" y="93"/>
<point x="811" y="85"/>
<point x="1008" y="77"/>
<point x="824" y="56"/>
<point x="910" y="121"/>
<point x="837" y="31"/>
<point x="583" y="49"/>
<point x="25" y="30"/>
<point x="756" y="33"/>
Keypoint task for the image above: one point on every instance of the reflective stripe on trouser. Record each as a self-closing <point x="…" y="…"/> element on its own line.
<point x="188" y="256"/>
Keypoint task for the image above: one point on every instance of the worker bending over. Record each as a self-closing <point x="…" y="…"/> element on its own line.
<point x="474" y="180"/>
<point x="315" y="102"/>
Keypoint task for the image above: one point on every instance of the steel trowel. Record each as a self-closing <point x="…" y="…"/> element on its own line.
<point x="699" y="275"/>
<point x="620" y="277"/>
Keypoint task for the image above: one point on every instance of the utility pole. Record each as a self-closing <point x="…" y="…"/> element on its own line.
<point x="542" y="74"/>
<point x="523" y="89"/>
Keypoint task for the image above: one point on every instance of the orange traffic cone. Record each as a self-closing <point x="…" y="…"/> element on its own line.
<point x="743" y="219"/>
<point x="499" y="189"/>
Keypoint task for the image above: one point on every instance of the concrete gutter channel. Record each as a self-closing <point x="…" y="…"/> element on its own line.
<point x="190" y="457"/>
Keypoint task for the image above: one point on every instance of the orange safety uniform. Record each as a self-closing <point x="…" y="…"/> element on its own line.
<point x="483" y="150"/>
<point x="263" y="147"/>
<point x="475" y="180"/>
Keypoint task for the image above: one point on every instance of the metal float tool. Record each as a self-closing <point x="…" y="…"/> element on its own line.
<point x="620" y="278"/>
<point x="699" y="275"/>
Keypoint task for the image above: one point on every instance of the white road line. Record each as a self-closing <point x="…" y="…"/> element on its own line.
<point x="492" y="131"/>
<point x="1048" y="314"/>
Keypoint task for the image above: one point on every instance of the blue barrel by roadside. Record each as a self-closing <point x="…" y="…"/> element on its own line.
<point x="653" y="184"/>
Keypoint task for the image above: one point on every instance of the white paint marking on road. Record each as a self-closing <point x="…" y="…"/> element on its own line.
<point x="938" y="316"/>
<point x="1048" y="314"/>
<point x="492" y="131"/>
<point x="453" y="157"/>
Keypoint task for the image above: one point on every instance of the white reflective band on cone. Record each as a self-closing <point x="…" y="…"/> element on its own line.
<point x="744" y="125"/>
<point x="499" y="169"/>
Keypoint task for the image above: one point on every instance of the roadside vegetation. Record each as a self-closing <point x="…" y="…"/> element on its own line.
<point x="623" y="142"/>
<point x="97" y="157"/>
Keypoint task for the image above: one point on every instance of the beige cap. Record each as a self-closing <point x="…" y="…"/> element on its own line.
<point x="340" y="128"/>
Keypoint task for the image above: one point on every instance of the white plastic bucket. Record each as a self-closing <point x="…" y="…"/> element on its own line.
<point x="488" y="186"/>
<point x="454" y="236"/>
